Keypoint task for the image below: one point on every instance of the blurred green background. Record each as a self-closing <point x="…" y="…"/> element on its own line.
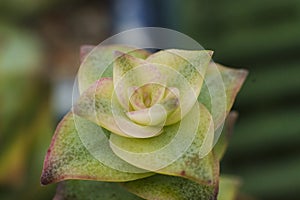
<point x="39" y="48"/>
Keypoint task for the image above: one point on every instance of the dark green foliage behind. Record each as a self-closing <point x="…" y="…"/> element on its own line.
<point x="263" y="37"/>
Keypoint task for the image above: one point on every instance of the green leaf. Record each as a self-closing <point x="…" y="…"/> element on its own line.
<point x="187" y="72"/>
<point x="155" y="92"/>
<point x="228" y="188"/>
<point x="98" y="105"/>
<point x="86" y="190"/>
<point x="189" y="63"/>
<point x="95" y="105"/>
<point x="131" y="74"/>
<point x="99" y="61"/>
<point x="161" y="187"/>
<point x="191" y="166"/>
<point x="123" y="65"/>
<point x="67" y="158"/>
<point x="95" y="140"/>
<point x="221" y="146"/>
<point x="222" y="84"/>
<point x="177" y="151"/>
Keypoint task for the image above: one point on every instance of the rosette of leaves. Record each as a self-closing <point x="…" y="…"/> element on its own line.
<point x="143" y="126"/>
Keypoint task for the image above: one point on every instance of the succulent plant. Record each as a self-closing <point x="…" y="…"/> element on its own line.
<point x="145" y="126"/>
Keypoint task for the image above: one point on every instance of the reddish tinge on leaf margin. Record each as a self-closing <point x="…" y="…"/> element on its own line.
<point x="67" y="158"/>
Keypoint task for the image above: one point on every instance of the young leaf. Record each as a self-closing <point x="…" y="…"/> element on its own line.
<point x="99" y="63"/>
<point x="187" y="72"/>
<point x="98" y="105"/>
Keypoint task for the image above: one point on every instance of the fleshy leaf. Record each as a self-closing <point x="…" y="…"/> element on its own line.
<point x="196" y="163"/>
<point x="99" y="94"/>
<point x="223" y="84"/>
<point x="228" y="188"/>
<point x="165" y="76"/>
<point x="191" y="67"/>
<point x="130" y="72"/>
<point x="157" y="106"/>
<point x="98" y="105"/>
<point x="173" y="144"/>
<point x="123" y="64"/>
<point x="83" y="190"/>
<point x="191" y="166"/>
<point x="95" y="140"/>
<point x="146" y="96"/>
<point x="67" y="158"/>
<point x="191" y="64"/>
<point x="152" y="116"/>
<point x="221" y="146"/>
<point x="100" y="61"/>
<point x="161" y="187"/>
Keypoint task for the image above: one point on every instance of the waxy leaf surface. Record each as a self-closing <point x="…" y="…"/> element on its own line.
<point x="97" y="62"/>
<point x="161" y="187"/>
<point x="177" y="151"/>
<point x="67" y="158"/>
<point x="90" y="190"/>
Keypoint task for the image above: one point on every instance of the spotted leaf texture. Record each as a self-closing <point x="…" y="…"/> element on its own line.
<point x="161" y="187"/>
<point x="145" y="126"/>
<point x="67" y="158"/>
<point x="84" y="190"/>
<point x="100" y="61"/>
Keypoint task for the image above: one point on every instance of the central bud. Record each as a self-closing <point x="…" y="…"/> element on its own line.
<point x="151" y="103"/>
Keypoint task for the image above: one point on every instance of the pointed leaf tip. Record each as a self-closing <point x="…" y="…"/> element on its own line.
<point x="68" y="158"/>
<point x="118" y="53"/>
<point x="99" y="62"/>
<point x="85" y="50"/>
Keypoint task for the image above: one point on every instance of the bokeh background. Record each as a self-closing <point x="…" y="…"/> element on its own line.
<point x="39" y="48"/>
